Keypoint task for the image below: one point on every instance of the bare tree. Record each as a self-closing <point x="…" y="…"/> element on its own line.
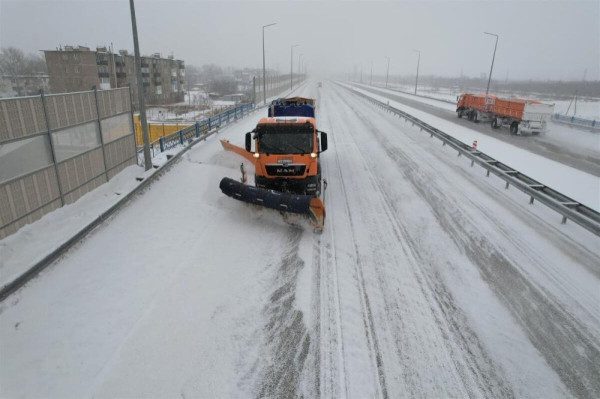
<point x="224" y="86"/>
<point x="12" y="61"/>
<point x="35" y="63"/>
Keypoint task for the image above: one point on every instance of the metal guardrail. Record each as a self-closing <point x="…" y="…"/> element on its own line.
<point x="567" y="207"/>
<point x="408" y="93"/>
<point x="573" y="120"/>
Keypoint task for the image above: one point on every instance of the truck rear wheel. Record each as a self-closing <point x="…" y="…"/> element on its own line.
<point x="460" y="113"/>
<point x="470" y="115"/>
<point x="495" y="124"/>
<point x="475" y="117"/>
<point x="514" y="128"/>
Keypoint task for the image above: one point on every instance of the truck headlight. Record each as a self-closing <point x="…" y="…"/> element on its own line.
<point x="256" y="155"/>
<point x="313" y="155"/>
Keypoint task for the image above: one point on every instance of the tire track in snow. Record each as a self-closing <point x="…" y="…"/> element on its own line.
<point x="367" y="314"/>
<point x="333" y="371"/>
<point x="286" y="338"/>
<point x="559" y="337"/>
<point x="479" y="365"/>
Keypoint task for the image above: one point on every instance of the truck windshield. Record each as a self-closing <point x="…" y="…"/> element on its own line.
<point x="285" y="139"/>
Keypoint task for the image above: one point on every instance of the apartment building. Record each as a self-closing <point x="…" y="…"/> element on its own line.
<point x="77" y="68"/>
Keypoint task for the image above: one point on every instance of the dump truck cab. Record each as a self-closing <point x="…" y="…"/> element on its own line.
<point x="286" y="154"/>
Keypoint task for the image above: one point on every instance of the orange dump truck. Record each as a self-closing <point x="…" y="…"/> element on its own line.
<point x="518" y="114"/>
<point x="286" y="154"/>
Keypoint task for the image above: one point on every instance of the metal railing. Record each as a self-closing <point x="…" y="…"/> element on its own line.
<point x="567" y="207"/>
<point x="573" y="120"/>
<point x="196" y="130"/>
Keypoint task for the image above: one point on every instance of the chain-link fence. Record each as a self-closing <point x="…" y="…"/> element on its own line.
<point x="56" y="148"/>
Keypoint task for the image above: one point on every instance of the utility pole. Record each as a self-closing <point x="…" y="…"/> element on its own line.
<point x="112" y="56"/>
<point x="388" y="72"/>
<point x="299" y="61"/>
<point x="140" y="87"/>
<point x="264" y="73"/>
<point x="418" y="62"/>
<point x="292" y="66"/>
<point x="371" y="73"/>
<point x="493" y="58"/>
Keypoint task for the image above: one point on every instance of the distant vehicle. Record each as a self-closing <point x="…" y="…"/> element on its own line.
<point x="320" y="84"/>
<point x="520" y="115"/>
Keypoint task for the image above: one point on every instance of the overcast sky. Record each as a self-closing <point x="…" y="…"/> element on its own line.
<point x="539" y="40"/>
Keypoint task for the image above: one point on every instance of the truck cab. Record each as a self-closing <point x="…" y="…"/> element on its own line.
<point x="286" y="154"/>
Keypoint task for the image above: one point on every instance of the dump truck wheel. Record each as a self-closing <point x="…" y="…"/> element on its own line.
<point x="495" y="123"/>
<point x="514" y="128"/>
<point x="475" y="117"/>
<point x="470" y="116"/>
<point x="460" y="113"/>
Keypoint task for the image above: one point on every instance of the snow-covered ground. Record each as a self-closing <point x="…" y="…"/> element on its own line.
<point x="165" y="115"/>
<point x="429" y="280"/>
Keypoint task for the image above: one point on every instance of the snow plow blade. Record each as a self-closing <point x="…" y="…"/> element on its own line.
<point x="312" y="207"/>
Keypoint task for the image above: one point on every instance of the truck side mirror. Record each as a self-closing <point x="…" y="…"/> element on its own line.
<point x="249" y="141"/>
<point x="323" y="141"/>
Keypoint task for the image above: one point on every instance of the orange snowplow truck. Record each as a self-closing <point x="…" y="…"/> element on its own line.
<point x="520" y="115"/>
<point x="286" y="154"/>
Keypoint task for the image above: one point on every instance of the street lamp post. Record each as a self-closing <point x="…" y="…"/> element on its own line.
<point x="140" y="90"/>
<point x="388" y="72"/>
<point x="299" y="62"/>
<point x="264" y="70"/>
<point x="418" y="62"/>
<point x="292" y="67"/>
<point x="493" y="58"/>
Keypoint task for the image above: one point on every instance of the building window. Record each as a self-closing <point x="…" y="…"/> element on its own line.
<point x="66" y="69"/>
<point x="76" y="69"/>
<point x="159" y="90"/>
<point x="76" y="56"/>
<point x="65" y="57"/>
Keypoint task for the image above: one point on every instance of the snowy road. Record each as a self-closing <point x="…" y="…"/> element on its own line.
<point x="575" y="148"/>
<point x="429" y="280"/>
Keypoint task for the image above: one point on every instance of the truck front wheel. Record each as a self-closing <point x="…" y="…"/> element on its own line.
<point x="460" y="113"/>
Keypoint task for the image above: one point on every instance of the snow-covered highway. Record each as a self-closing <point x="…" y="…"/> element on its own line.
<point x="429" y="280"/>
<point x="575" y="148"/>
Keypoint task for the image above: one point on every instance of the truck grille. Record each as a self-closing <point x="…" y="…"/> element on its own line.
<point x="285" y="170"/>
